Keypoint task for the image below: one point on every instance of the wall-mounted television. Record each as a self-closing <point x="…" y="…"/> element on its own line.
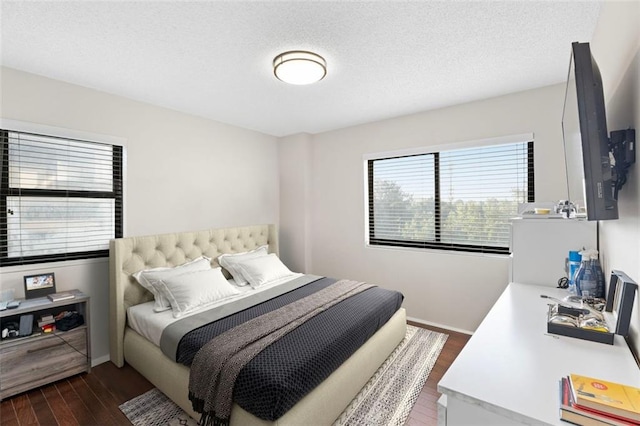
<point x="596" y="164"/>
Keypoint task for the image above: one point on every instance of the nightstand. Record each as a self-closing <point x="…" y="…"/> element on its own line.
<point x="27" y="362"/>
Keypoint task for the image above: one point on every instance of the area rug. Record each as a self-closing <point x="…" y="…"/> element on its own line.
<point x="387" y="399"/>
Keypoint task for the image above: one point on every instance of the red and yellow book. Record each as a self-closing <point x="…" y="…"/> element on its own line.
<point x="612" y="399"/>
<point x="582" y="416"/>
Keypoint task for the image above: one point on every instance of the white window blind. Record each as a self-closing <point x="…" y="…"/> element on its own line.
<point x="61" y="198"/>
<point x="457" y="200"/>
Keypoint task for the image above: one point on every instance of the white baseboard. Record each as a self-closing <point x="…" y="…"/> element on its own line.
<point x="433" y="324"/>
<point x="100" y="360"/>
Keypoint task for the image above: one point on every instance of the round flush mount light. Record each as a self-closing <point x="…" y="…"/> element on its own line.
<point x="299" y="67"/>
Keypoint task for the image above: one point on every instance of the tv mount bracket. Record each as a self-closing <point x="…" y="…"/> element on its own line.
<point x="623" y="150"/>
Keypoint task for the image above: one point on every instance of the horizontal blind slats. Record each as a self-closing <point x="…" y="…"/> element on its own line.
<point x="64" y="198"/>
<point x="41" y="162"/>
<point x="479" y="190"/>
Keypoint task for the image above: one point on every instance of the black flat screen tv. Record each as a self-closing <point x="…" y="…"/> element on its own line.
<point x="590" y="176"/>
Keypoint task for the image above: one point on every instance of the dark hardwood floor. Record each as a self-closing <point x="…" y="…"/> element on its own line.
<point x="425" y="411"/>
<point x="93" y="399"/>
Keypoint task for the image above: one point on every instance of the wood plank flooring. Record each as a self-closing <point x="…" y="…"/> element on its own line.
<point x="93" y="399"/>
<point x="425" y="412"/>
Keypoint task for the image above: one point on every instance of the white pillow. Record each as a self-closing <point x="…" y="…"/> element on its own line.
<point x="147" y="277"/>
<point x="231" y="261"/>
<point x="262" y="270"/>
<point x="194" y="290"/>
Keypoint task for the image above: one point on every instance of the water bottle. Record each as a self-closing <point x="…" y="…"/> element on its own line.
<point x="574" y="263"/>
<point x="589" y="279"/>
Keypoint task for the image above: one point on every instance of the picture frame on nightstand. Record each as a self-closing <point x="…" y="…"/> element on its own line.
<point x="39" y="285"/>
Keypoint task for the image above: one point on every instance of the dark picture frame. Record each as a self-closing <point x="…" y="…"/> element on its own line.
<point x="39" y="285"/>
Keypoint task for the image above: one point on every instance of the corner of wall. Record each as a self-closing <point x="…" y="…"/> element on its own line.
<point x="294" y="155"/>
<point x="615" y="40"/>
<point x="616" y="47"/>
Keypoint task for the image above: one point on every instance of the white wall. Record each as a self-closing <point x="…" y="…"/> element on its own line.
<point x="616" y="48"/>
<point x="184" y="173"/>
<point x="295" y="175"/>
<point x="443" y="288"/>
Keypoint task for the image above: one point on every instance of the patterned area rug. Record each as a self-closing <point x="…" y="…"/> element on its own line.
<point x="387" y="399"/>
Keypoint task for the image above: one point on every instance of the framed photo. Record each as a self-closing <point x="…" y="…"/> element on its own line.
<point x="39" y="285"/>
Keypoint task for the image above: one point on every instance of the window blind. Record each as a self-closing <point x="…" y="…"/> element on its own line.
<point x="61" y="198"/>
<point x="456" y="200"/>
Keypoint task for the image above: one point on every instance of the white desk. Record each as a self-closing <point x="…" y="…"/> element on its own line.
<point x="509" y="370"/>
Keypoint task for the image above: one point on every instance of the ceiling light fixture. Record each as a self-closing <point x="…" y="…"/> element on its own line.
<point x="299" y="67"/>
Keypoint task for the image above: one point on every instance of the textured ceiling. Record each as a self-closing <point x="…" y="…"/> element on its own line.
<point x="213" y="59"/>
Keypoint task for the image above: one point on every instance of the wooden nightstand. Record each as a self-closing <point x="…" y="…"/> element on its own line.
<point x="32" y="361"/>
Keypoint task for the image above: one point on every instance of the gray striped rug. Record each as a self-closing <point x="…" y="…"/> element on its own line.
<point x="387" y="399"/>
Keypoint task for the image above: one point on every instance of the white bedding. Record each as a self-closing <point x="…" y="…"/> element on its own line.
<point x="150" y="324"/>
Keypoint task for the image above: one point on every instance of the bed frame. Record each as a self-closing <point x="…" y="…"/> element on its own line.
<point x="128" y="255"/>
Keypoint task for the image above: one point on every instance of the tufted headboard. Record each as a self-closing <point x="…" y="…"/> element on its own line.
<point x="129" y="255"/>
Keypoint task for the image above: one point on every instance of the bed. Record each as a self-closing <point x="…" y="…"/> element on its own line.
<point x="322" y="405"/>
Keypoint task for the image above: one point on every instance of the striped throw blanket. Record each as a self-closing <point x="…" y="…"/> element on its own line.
<point x="218" y="363"/>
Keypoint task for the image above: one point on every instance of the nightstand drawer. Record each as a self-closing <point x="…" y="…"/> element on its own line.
<point x="43" y="360"/>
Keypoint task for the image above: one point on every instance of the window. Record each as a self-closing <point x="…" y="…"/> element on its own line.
<point x="61" y="198"/>
<point x="458" y="199"/>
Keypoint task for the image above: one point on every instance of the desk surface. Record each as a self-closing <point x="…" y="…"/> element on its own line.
<point x="512" y="366"/>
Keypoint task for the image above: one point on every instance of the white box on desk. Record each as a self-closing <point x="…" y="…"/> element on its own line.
<point x="540" y="247"/>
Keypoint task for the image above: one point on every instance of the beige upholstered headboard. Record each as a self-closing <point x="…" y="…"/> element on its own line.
<point x="129" y="255"/>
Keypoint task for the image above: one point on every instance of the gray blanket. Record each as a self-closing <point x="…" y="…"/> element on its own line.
<point x="217" y="365"/>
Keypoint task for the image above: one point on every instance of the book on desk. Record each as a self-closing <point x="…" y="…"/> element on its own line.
<point x="588" y="401"/>
<point x="55" y="297"/>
